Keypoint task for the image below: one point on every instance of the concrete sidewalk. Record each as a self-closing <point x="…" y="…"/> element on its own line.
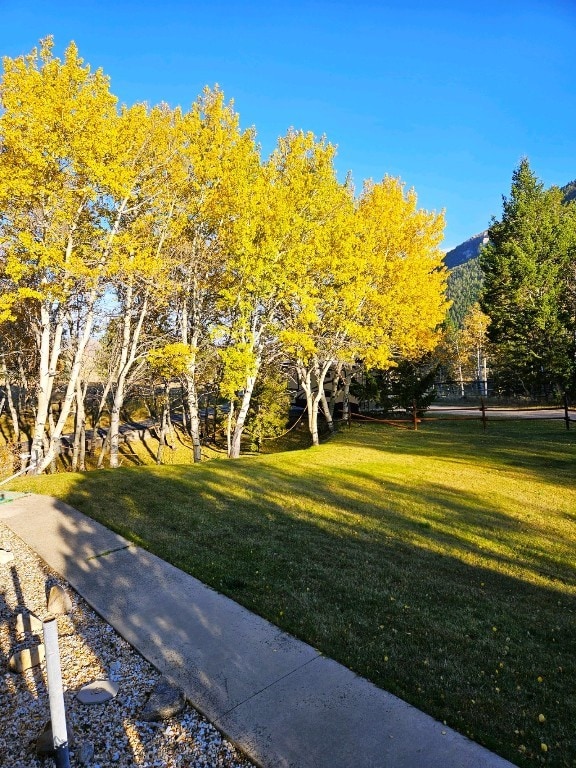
<point x="278" y="699"/>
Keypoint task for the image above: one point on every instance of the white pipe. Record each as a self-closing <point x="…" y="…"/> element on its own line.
<point x="21" y="472"/>
<point x="56" y="693"/>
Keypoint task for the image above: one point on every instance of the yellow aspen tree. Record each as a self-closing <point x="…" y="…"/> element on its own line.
<point x="145" y="189"/>
<point x="323" y="274"/>
<point x="54" y="147"/>
<point x="250" y="281"/>
<point x="404" y="277"/>
<point x="246" y="302"/>
<point x="381" y="295"/>
<point x="270" y="249"/>
<point x="451" y="355"/>
<point x="473" y="341"/>
<point x="218" y="158"/>
<point x="398" y="244"/>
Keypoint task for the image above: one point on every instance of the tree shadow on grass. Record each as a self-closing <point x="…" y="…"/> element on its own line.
<point x="424" y="590"/>
<point x="356" y="503"/>
<point x="537" y="446"/>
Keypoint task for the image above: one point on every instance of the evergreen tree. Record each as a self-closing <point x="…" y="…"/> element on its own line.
<point x="413" y="384"/>
<point x="407" y="385"/>
<point x="464" y="287"/>
<point x="527" y="286"/>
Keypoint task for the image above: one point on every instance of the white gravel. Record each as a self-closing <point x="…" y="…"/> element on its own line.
<point x="90" y="650"/>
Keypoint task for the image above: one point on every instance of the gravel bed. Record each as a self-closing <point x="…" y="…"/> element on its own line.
<point x="108" y="734"/>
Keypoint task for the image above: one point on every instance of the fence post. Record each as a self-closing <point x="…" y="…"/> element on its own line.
<point x="415" y="415"/>
<point x="566" y="413"/>
<point x="483" y="409"/>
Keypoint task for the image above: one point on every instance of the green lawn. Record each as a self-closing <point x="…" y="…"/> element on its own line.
<point x="440" y="564"/>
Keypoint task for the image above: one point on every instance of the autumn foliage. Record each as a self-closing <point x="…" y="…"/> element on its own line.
<point x="150" y="227"/>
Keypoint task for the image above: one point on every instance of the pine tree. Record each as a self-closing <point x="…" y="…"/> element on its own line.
<point x="526" y="293"/>
<point x="464" y="287"/>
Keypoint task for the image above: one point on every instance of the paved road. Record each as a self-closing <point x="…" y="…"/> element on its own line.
<point x="496" y="412"/>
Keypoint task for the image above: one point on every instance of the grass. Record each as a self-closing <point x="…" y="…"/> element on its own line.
<point x="440" y="564"/>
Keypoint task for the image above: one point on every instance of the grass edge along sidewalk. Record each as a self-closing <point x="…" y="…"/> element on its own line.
<point x="438" y="564"/>
<point x="277" y="698"/>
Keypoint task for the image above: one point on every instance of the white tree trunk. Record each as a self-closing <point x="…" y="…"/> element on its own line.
<point x="326" y="411"/>
<point x="313" y="422"/>
<point x="192" y="318"/>
<point x="305" y="377"/>
<point x="314" y="391"/>
<point x="79" y="449"/>
<point x="81" y="344"/>
<point x="229" y="427"/>
<point x="234" y="450"/>
<point x="114" y="428"/>
<point x="49" y="353"/>
<point x="192" y="390"/>
<point x="193" y="412"/>
<point x="461" y="380"/>
<point x="130" y="340"/>
<point x="50" y="346"/>
<point x="11" y="405"/>
<point x="348" y="376"/>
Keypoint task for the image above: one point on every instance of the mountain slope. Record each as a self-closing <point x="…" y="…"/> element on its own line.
<point x="569" y="191"/>
<point x="465" y="251"/>
<point x="470" y="249"/>
<point x="464" y="286"/>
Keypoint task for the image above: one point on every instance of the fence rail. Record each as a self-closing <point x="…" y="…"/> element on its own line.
<point x="481" y="412"/>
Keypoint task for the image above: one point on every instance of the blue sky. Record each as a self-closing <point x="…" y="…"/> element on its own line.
<point x="446" y="95"/>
